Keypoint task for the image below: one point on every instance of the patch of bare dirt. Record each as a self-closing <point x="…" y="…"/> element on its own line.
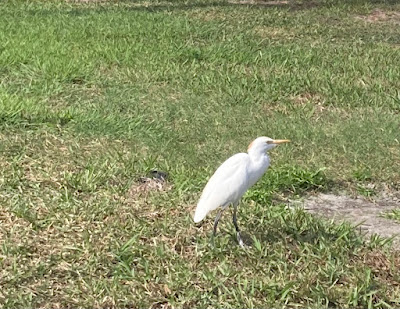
<point x="155" y="182"/>
<point x="378" y="15"/>
<point x="366" y="213"/>
<point x="147" y="185"/>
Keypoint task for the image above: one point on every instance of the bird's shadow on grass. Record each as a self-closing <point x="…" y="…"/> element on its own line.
<point x="315" y="232"/>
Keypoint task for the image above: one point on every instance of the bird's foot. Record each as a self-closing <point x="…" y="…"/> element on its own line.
<point x="240" y="241"/>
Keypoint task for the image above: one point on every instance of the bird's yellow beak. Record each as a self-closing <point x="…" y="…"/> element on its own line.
<point x="280" y="141"/>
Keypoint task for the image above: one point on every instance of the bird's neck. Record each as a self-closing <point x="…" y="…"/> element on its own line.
<point x="259" y="159"/>
<point x="260" y="163"/>
<point x="257" y="155"/>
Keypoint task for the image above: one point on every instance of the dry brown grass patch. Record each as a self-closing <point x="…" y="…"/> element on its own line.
<point x="378" y="16"/>
<point x="313" y="103"/>
<point x="273" y="32"/>
<point x="386" y="270"/>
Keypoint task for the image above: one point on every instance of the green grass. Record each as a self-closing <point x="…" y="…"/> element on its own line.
<point x="394" y="215"/>
<point x="95" y="95"/>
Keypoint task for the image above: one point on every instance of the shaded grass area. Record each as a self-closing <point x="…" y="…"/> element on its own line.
<point x="94" y="96"/>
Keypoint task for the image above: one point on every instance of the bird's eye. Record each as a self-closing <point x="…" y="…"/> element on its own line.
<point x="269" y="142"/>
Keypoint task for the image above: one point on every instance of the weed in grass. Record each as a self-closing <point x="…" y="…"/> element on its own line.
<point x="394" y="215"/>
<point x="366" y="190"/>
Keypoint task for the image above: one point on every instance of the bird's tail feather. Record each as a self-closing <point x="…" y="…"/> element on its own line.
<point x="199" y="214"/>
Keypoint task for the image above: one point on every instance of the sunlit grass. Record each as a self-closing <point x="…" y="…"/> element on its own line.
<point x="394" y="214"/>
<point x="93" y="96"/>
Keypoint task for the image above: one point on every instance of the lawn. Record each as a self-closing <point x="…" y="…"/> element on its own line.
<point x="95" y="95"/>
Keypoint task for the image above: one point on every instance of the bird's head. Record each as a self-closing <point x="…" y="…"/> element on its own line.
<point x="263" y="144"/>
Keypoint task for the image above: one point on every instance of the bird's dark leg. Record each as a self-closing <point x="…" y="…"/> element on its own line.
<point x="219" y="215"/>
<point x="239" y="237"/>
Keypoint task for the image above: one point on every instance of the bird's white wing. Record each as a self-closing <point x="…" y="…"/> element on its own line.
<point x="227" y="185"/>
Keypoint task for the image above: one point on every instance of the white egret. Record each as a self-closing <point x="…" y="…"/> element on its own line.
<point x="232" y="179"/>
